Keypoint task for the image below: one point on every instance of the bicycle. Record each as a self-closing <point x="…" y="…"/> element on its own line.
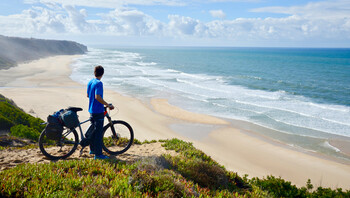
<point x="118" y="137"/>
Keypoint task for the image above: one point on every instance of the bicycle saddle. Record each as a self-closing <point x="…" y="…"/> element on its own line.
<point x="75" y="109"/>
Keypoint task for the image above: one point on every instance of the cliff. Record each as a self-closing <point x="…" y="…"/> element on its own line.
<point x="15" y="50"/>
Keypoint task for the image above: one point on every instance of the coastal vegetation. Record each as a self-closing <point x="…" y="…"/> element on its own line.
<point x="17" y="122"/>
<point x="190" y="173"/>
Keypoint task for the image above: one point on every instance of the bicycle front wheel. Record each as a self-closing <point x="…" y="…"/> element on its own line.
<point x="117" y="137"/>
<point x="59" y="149"/>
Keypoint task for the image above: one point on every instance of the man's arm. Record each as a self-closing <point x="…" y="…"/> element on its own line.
<point x="100" y="99"/>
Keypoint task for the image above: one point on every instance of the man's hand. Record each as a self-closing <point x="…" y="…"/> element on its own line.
<point x="110" y="106"/>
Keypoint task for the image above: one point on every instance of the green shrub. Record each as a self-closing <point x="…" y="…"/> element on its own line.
<point x="11" y="112"/>
<point x="278" y="187"/>
<point x="163" y="183"/>
<point x="25" y="132"/>
<point x="327" y="192"/>
<point x="187" y="149"/>
<point x="196" y="166"/>
<point x="136" y="141"/>
<point x="75" y="178"/>
<point x="12" y="116"/>
<point x="150" y="176"/>
<point x="5" y="123"/>
<point x="203" y="173"/>
<point x="148" y="142"/>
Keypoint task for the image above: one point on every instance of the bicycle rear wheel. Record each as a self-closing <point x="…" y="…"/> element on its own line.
<point x="117" y="137"/>
<point x="59" y="149"/>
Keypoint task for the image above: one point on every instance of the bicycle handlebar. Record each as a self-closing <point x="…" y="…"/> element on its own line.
<point x="108" y="107"/>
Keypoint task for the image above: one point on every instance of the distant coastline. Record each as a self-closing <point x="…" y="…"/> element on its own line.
<point x="15" y="50"/>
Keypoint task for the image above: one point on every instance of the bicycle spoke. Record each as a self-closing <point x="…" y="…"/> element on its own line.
<point x="66" y="133"/>
<point x="59" y="149"/>
<point x="69" y="142"/>
<point x="117" y="137"/>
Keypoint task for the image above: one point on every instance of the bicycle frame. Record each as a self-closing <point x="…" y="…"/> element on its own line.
<point x="106" y="114"/>
<point x="81" y="131"/>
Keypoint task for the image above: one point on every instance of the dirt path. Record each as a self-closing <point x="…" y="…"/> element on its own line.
<point x="12" y="157"/>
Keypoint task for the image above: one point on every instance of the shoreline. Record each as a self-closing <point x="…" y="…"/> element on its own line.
<point x="46" y="83"/>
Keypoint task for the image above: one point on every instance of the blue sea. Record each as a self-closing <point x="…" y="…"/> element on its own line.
<point x="300" y="96"/>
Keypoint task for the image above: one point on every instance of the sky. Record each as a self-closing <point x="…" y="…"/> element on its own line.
<point x="233" y="23"/>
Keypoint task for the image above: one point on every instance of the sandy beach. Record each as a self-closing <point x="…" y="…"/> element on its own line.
<point x="43" y="86"/>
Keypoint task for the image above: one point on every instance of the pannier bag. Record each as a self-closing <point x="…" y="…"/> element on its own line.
<point x="54" y="128"/>
<point x="70" y="119"/>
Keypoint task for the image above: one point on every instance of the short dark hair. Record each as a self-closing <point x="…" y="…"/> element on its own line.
<point x="99" y="71"/>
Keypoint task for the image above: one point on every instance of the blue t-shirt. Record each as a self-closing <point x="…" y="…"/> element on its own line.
<point x="95" y="87"/>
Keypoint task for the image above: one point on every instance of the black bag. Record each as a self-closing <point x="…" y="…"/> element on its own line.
<point x="70" y="119"/>
<point x="54" y="128"/>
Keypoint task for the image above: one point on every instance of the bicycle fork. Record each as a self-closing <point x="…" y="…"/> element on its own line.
<point x="114" y="133"/>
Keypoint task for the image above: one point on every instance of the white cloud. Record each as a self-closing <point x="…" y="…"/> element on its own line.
<point x="182" y="25"/>
<point x="76" y="20"/>
<point x="327" y="22"/>
<point x="109" y="3"/>
<point x="217" y="14"/>
<point x="131" y="22"/>
<point x="247" y="1"/>
<point x="315" y="10"/>
<point x="40" y="20"/>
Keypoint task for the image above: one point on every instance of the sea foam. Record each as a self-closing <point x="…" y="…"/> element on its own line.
<point x="226" y="95"/>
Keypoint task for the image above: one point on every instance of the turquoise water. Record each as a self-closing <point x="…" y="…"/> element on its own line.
<point x="301" y="92"/>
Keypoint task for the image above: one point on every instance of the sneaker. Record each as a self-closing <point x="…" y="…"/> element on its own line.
<point x="92" y="153"/>
<point x="101" y="157"/>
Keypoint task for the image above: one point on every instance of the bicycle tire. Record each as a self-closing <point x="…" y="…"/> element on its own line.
<point x="115" y="144"/>
<point x="66" y="147"/>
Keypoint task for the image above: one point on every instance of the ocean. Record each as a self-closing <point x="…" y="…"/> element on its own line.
<point x="297" y="96"/>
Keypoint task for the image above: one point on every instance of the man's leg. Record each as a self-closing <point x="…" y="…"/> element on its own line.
<point x="89" y="136"/>
<point x="96" y="139"/>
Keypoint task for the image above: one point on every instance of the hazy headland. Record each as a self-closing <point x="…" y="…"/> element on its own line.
<point x="14" y="50"/>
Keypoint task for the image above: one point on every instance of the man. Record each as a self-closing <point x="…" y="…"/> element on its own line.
<point x="96" y="110"/>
